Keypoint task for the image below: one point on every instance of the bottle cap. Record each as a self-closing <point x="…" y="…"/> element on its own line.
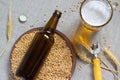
<point x="23" y="18"/>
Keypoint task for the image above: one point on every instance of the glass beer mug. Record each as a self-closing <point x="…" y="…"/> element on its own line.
<point x="94" y="14"/>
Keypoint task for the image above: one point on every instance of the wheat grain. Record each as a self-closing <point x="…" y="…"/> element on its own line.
<point x="111" y="57"/>
<point x="9" y="25"/>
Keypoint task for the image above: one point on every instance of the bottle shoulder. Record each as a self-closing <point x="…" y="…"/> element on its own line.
<point x="46" y="35"/>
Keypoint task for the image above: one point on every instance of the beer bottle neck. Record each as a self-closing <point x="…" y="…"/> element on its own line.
<point x="52" y="23"/>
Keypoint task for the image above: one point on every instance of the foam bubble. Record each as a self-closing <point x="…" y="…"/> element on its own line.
<point x="96" y="13"/>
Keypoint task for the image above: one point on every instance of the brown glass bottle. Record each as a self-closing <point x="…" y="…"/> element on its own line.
<point x="39" y="49"/>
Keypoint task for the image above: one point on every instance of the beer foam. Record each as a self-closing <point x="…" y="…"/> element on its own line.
<point x="96" y="13"/>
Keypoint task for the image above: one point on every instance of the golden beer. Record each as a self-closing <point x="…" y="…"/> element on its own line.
<point x="94" y="14"/>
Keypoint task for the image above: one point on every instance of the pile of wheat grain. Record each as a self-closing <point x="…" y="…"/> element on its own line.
<point x="58" y="64"/>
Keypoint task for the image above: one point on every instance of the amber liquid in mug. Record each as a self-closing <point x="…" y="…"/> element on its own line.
<point x="94" y="15"/>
